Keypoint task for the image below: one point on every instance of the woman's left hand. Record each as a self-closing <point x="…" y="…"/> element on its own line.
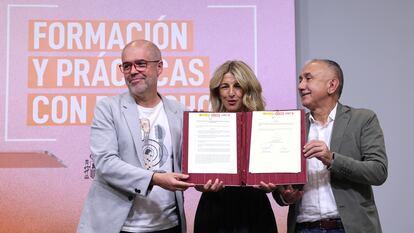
<point x="210" y="186"/>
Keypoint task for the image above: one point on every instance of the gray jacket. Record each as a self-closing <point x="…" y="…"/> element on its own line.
<point x="360" y="161"/>
<point x="115" y="137"/>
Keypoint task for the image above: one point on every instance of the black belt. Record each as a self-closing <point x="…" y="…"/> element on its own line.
<point x="326" y="224"/>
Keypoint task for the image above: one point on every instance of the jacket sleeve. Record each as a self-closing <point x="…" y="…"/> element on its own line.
<point x="362" y="157"/>
<point x="111" y="169"/>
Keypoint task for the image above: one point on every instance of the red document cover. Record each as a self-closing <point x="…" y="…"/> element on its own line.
<point x="243" y="176"/>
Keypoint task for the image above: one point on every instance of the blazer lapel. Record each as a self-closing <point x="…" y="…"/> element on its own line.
<point x="341" y="122"/>
<point x="307" y="125"/>
<point x="175" y="130"/>
<point x="130" y="112"/>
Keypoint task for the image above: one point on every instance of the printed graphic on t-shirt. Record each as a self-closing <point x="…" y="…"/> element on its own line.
<point x="154" y="150"/>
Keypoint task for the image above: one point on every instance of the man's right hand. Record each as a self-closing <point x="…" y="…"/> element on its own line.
<point x="291" y="195"/>
<point x="171" y="181"/>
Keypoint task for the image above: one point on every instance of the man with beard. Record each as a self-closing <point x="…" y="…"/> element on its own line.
<point x="133" y="190"/>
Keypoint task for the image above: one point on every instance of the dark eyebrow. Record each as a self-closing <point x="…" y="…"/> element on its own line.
<point x="306" y="75"/>
<point x="140" y="61"/>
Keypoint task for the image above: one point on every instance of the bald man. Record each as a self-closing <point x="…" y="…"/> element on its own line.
<point x="136" y="146"/>
<point x="345" y="157"/>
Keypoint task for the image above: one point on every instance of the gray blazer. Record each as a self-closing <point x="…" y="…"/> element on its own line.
<point x="115" y="137"/>
<point x="360" y="161"/>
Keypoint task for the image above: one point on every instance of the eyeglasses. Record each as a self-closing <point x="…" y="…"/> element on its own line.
<point x="140" y="65"/>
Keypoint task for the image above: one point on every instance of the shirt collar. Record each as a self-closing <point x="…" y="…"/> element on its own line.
<point x="331" y="116"/>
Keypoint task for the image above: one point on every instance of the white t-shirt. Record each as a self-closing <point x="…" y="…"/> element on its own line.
<point x="156" y="211"/>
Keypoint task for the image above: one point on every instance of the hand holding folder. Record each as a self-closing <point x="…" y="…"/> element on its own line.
<point x="244" y="148"/>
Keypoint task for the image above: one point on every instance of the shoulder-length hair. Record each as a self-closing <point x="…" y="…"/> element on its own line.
<point x="252" y="99"/>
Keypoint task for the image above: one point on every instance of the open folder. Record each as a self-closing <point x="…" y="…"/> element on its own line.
<point x="244" y="148"/>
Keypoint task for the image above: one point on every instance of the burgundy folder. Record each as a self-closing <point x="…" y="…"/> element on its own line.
<point x="243" y="176"/>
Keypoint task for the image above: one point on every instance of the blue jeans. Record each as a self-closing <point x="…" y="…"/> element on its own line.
<point x="317" y="230"/>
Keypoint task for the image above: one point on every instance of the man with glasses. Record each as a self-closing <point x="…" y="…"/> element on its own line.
<point x="136" y="145"/>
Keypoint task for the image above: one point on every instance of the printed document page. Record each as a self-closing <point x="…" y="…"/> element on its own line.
<point x="275" y="142"/>
<point x="212" y="143"/>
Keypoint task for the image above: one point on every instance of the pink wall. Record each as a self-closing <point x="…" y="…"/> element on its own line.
<point x="51" y="77"/>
